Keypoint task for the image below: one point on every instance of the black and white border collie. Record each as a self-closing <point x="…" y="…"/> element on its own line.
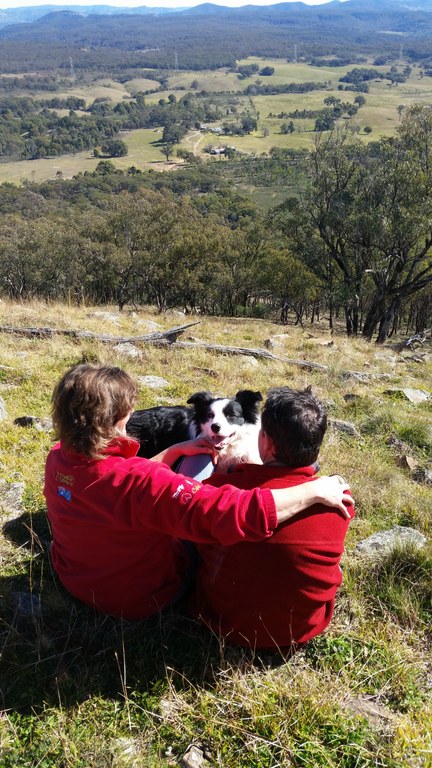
<point x="232" y="424"/>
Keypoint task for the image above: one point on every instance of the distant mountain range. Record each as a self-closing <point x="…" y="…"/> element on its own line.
<point x="210" y="35"/>
<point x="29" y="14"/>
<point x="411" y="17"/>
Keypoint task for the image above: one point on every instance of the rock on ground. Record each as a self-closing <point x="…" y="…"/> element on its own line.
<point x="3" y="411"/>
<point x="11" y="499"/>
<point x="423" y="475"/>
<point x="128" y="350"/>
<point x="153" y="382"/>
<point x="194" y="757"/>
<point x="344" y="426"/>
<point x="363" y="376"/>
<point x="42" y="424"/>
<point x="384" y="542"/>
<point x="109" y="317"/>
<point x="413" y="395"/>
<point x="150" y="325"/>
<point x="250" y="362"/>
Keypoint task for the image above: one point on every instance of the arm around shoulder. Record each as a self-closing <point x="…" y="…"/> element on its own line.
<point x="330" y="491"/>
<point x="185" y="508"/>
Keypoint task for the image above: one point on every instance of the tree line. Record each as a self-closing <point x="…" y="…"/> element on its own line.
<point x="29" y="132"/>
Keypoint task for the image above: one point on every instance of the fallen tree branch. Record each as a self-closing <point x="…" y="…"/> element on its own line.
<point x="258" y="353"/>
<point x="168" y="336"/>
<point x="162" y="338"/>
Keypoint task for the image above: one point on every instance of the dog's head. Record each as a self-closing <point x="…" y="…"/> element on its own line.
<point x="221" y="418"/>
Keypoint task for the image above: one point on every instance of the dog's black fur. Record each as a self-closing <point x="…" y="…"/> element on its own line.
<point x="160" y="427"/>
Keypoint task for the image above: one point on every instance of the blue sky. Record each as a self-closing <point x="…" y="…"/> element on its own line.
<point x="148" y="3"/>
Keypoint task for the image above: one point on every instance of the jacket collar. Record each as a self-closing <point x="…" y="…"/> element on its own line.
<point x="126" y="447"/>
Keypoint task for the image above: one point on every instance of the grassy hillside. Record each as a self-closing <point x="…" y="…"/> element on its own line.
<point x="82" y="690"/>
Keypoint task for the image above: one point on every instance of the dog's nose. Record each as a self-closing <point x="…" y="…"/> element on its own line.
<point x="215" y="428"/>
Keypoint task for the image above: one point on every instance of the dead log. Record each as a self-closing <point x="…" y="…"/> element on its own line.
<point x="258" y="353"/>
<point x="168" y="336"/>
<point x="162" y="338"/>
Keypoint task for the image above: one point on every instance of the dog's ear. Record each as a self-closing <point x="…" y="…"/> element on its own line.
<point x="200" y="398"/>
<point x="249" y="402"/>
<point x="200" y="402"/>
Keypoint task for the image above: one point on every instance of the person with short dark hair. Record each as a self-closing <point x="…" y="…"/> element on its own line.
<point x="296" y="422"/>
<point x="277" y="593"/>
<point x="117" y="519"/>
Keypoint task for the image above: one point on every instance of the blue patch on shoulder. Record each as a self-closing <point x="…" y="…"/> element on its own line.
<point x="64" y="493"/>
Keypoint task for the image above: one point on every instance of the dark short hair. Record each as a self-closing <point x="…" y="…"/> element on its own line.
<point x="296" y="421"/>
<point x="87" y="402"/>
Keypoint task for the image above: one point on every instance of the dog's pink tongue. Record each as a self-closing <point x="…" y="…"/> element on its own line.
<point x="220" y="440"/>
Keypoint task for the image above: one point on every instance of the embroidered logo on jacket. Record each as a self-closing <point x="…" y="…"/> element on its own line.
<point x="65" y="479"/>
<point x="183" y="495"/>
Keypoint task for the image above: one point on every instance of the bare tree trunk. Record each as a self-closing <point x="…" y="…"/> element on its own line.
<point x="385" y="325"/>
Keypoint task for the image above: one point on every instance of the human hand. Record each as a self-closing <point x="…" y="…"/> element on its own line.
<point x="333" y="491"/>
<point x="186" y="448"/>
<point x="198" y="445"/>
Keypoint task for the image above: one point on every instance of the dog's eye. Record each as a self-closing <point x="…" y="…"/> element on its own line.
<point x="235" y="420"/>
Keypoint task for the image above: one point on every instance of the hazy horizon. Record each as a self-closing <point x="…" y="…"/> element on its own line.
<point x="151" y="3"/>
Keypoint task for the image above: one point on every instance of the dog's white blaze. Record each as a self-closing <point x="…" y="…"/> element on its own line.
<point x="236" y="443"/>
<point x="225" y="428"/>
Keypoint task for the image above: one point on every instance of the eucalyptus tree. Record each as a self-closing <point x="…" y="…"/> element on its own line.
<point x="20" y="243"/>
<point x="400" y="218"/>
<point x="157" y="249"/>
<point x="123" y="240"/>
<point x="364" y="221"/>
<point x="48" y="257"/>
<point x="319" y="223"/>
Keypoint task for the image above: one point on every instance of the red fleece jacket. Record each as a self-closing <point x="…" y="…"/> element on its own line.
<point x="115" y="521"/>
<point x="280" y="591"/>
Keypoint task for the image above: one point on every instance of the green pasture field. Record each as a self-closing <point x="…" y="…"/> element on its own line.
<point x="380" y="112"/>
<point x="47" y="168"/>
<point x="16" y="74"/>
<point x="142" y="151"/>
<point x="99" y="89"/>
<point x="65" y="113"/>
<point x="257" y="144"/>
<point x="140" y="84"/>
<point x="287" y="72"/>
<point x="264" y="197"/>
<point x="142" y="148"/>
<point x="208" y="80"/>
<point x="153" y="98"/>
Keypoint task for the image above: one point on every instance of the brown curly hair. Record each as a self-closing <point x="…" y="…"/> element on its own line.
<point x="87" y="402"/>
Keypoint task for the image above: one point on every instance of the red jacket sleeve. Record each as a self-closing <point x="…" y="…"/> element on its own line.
<point x="176" y="505"/>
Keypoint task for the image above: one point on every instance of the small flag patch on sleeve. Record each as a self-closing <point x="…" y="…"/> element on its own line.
<point x="64" y="493"/>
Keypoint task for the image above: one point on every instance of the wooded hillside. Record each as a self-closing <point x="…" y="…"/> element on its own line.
<point x="212" y="36"/>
